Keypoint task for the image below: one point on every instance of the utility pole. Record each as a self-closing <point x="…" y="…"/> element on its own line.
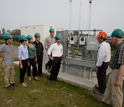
<point x="70" y="13"/>
<point x="90" y="2"/>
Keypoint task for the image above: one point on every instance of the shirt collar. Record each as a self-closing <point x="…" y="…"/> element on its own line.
<point x="22" y="45"/>
<point x="102" y="43"/>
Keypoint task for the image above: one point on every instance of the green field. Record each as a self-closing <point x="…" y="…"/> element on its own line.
<point x="43" y="94"/>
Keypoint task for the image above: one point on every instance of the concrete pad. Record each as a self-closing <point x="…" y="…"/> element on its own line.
<point x="72" y="79"/>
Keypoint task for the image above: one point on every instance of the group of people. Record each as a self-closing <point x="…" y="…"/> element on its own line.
<point x="113" y="91"/>
<point x="31" y="54"/>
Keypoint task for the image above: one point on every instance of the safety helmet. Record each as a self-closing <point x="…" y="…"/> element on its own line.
<point x="22" y="37"/>
<point x="29" y="37"/>
<point x="51" y="30"/>
<point x="57" y="37"/>
<point x="7" y="36"/>
<point x="37" y="35"/>
<point x="117" y="32"/>
<point x="102" y="35"/>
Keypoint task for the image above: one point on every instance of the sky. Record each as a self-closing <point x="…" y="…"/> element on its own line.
<point x="106" y="15"/>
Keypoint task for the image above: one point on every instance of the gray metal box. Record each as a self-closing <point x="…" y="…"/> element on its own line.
<point x="92" y="43"/>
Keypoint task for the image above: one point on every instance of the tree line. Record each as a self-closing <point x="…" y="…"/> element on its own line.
<point x="13" y="32"/>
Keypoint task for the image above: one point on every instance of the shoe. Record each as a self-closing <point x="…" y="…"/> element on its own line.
<point x="96" y="87"/>
<point x="9" y="88"/>
<point x="24" y="86"/>
<point x="98" y="93"/>
<point x="49" y="70"/>
<point x="46" y="66"/>
<point x="56" y="80"/>
<point x="36" y="79"/>
<point x="15" y="85"/>
<point x="51" y="81"/>
<point x="100" y="100"/>
<point x="40" y="76"/>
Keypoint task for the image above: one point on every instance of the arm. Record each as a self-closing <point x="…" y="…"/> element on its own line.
<point x="20" y="62"/>
<point x="45" y="45"/>
<point x="49" y="52"/>
<point x="121" y="70"/>
<point x="1" y="50"/>
<point x="19" y="57"/>
<point x="2" y="57"/>
<point x="100" y="59"/>
<point x="120" y="73"/>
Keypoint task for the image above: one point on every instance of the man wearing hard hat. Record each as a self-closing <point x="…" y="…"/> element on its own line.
<point x="57" y="51"/>
<point x="48" y="42"/>
<point x="103" y="58"/>
<point x="7" y="55"/>
<point x="114" y="86"/>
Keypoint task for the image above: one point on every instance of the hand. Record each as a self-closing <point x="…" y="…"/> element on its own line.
<point x="21" y="66"/>
<point x="28" y="64"/>
<point x="52" y="58"/>
<point x="97" y="69"/>
<point x="4" y="58"/>
<point x="117" y="82"/>
<point x="35" y="59"/>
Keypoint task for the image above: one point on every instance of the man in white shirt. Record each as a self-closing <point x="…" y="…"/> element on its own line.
<point x="57" y="51"/>
<point x="103" y="58"/>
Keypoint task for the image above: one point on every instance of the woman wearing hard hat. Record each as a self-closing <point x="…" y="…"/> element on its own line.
<point x="32" y="58"/>
<point x="39" y="53"/>
<point x="23" y="58"/>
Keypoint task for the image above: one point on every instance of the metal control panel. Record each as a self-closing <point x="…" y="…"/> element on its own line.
<point x="92" y="43"/>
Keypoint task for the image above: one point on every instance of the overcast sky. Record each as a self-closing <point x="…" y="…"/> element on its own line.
<point x="106" y="14"/>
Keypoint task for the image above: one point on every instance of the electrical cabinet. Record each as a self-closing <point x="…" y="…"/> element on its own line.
<point x="92" y="43"/>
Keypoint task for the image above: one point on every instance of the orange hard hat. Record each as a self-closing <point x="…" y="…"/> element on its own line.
<point x="102" y="35"/>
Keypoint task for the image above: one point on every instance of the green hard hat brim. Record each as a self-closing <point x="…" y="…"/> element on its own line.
<point x="37" y="36"/>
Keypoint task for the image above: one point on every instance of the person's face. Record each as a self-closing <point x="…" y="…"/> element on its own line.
<point x="100" y="40"/>
<point x="10" y="40"/>
<point x="37" y="39"/>
<point x="52" y="34"/>
<point x="114" y="40"/>
<point x="25" y="42"/>
<point x="58" y="41"/>
<point x="31" y="40"/>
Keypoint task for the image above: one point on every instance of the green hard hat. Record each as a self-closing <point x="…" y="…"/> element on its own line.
<point x="117" y="32"/>
<point x="29" y="37"/>
<point x="57" y="37"/>
<point x="7" y="36"/>
<point x="51" y="30"/>
<point x="22" y="37"/>
<point x="36" y="35"/>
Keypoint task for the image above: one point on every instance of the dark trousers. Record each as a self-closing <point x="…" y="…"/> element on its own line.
<point x="55" y="68"/>
<point x="49" y="63"/>
<point x="39" y="61"/>
<point x="101" y="77"/>
<point x="23" y="71"/>
<point x="33" y="64"/>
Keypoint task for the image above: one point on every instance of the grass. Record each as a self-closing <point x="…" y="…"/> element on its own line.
<point x="44" y="94"/>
